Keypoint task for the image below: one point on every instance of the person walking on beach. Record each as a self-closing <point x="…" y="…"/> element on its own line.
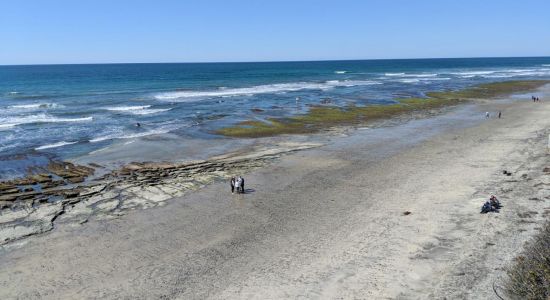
<point x="499" y="114"/>
<point x="242" y="184"/>
<point x="232" y="182"/>
<point x="487" y="115"/>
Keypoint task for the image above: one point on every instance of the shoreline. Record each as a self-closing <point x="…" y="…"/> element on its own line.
<point x="82" y="188"/>
<point x="317" y="223"/>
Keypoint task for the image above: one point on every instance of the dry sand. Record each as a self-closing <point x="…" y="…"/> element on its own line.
<point x="326" y="223"/>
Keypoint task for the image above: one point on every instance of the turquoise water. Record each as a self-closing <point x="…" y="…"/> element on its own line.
<point x="64" y="111"/>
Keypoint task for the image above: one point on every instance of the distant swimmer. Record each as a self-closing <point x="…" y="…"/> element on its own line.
<point x="138" y="125"/>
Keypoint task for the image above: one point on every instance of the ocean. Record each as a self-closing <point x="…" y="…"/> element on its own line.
<point x="67" y="111"/>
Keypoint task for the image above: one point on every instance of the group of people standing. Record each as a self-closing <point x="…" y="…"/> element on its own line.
<point x="535" y="99"/>
<point x="487" y="115"/>
<point x="237" y="184"/>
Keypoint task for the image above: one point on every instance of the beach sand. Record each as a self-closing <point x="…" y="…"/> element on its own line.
<point x="323" y="223"/>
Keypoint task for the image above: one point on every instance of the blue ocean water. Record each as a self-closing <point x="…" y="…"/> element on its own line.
<point x="64" y="111"/>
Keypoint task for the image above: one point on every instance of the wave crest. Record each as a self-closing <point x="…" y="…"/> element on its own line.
<point x="55" y="145"/>
<point x="137" y="110"/>
<point x="40" y="118"/>
<point x="35" y="106"/>
<point x="260" y="89"/>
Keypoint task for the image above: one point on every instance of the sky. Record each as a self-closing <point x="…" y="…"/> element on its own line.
<point x="120" y="31"/>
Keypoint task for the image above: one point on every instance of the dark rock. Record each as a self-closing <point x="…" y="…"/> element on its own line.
<point x="71" y="193"/>
<point x="6" y="186"/>
<point x="66" y="169"/>
<point x="10" y="191"/>
<point x="76" y="179"/>
<point x="9" y="197"/>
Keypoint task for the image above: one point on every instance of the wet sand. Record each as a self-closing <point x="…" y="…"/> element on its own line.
<point x="322" y="223"/>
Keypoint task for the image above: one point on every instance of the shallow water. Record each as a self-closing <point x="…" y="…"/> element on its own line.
<point x="67" y="111"/>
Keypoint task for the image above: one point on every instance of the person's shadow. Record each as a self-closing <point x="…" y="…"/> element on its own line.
<point x="249" y="191"/>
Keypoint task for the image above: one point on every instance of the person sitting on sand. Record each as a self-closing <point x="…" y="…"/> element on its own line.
<point x="491" y="205"/>
<point x="487" y="207"/>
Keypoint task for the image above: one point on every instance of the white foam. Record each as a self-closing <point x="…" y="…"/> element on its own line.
<point x="39" y="118"/>
<point x="137" y="110"/>
<point x="546" y="65"/>
<point x="518" y="73"/>
<point x="60" y="144"/>
<point x="127" y="108"/>
<point x="394" y="74"/>
<point x="6" y="126"/>
<point x="340" y="72"/>
<point x="435" y="79"/>
<point x="474" y="73"/>
<point x="260" y="89"/>
<point x="129" y="136"/>
<point x="498" y="76"/>
<point x="409" y="80"/>
<point x="149" y="111"/>
<point x="420" y="75"/>
<point x="35" y="106"/>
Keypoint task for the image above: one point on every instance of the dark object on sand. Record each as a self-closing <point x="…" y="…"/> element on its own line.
<point x="491" y="205"/>
<point x="406" y="213"/>
<point x="507" y="173"/>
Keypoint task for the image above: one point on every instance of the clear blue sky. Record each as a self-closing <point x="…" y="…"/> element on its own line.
<point x="86" y="31"/>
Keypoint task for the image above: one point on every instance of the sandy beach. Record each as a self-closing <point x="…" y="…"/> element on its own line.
<point x="327" y="222"/>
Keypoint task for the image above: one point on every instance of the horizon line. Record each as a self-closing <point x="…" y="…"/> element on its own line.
<point x="267" y="61"/>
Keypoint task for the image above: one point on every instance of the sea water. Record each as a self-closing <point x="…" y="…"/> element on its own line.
<point x="66" y="111"/>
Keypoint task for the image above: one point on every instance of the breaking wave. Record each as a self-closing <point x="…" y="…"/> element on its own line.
<point x="137" y="110"/>
<point x="55" y="145"/>
<point x="40" y="118"/>
<point x="127" y="108"/>
<point x="130" y="135"/>
<point x="36" y="106"/>
<point x="260" y="89"/>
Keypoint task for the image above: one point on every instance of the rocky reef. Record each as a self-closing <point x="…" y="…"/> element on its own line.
<point x="67" y="193"/>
